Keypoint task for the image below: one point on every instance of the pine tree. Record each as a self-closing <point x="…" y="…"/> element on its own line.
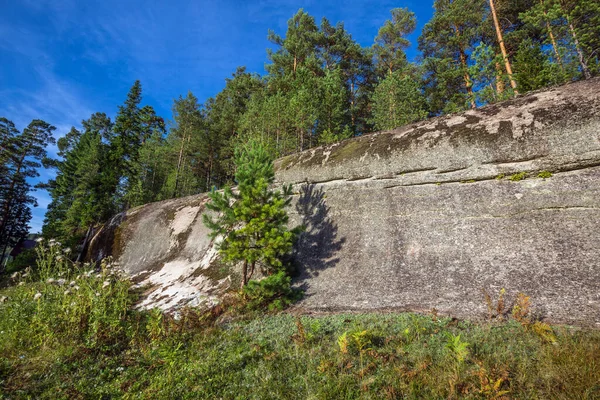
<point x="21" y="157"/>
<point x="252" y="219"/>
<point x="397" y="101"/>
<point x="391" y="41"/>
<point x="447" y="42"/>
<point x="133" y="126"/>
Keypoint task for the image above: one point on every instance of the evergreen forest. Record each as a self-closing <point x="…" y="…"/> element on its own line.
<point x="321" y="87"/>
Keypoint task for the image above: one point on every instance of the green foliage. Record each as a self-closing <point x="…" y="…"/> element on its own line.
<point x="59" y="301"/>
<point x="21" y="154"/>
<point x="519" y="176"/>
<point x="158" y="356"/>
<point x="458" y="349"/>
<point x="545" y="174"/>
<point x="397" y="101"/>
<point x="252" y="220"/>
<point x="23" y="260"/>
<point x="273" y="292"/>
<point x="391" y="41"/>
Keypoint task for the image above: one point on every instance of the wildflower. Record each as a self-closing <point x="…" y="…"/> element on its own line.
<point x="39" y="240"/>
<point x="98" y="276"/>
<point x="3" y="299"/>
<point x="88" y="273"/>
<point x="67" y="292"/>
<point x="67" y="250"/>
<point x="26" y="274"/>
<point x="50" y="280"/>
<point x="61" y="281"/>
<point x="97" y="294"/>
<point x="37" y="296"/>
<point x="78" y="277"/>
<point x="21" y="283"/>
<point x="76" y="287"/>
<point x="120" y="369"/>
<point x="59" y="258"/>
<point x="14" y="276"/>
<point x="72" y="283"/>
<point x="105" y="284"/>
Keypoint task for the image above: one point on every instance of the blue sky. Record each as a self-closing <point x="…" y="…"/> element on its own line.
<point x="62" y="60"/>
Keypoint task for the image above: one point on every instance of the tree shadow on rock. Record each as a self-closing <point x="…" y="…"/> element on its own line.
<point x="318" y="245"/>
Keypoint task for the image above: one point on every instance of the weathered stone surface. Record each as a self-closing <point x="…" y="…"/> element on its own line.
<point x="415" y="218"/>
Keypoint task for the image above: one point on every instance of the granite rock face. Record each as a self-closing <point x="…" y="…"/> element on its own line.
<point x="421" y="217"/>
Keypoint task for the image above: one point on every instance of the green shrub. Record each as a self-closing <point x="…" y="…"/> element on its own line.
<point x="22" y="261"/>
<point x="274" y="292"/>
<point x="61" y="300"/>
<point x="545" y="174"/>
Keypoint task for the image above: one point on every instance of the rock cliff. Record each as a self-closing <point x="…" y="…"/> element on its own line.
<point x="430" y="215"/>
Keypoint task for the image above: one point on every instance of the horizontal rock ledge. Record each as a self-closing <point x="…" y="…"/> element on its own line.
<point x="421" y="217"/>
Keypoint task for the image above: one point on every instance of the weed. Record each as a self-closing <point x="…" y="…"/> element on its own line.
<point x="458" y="349"/>
<point x="491" y="386"/>
<point x="500" y="177"/>
<point x="522" y="309"/>
<point x="545" y="174"/>
<point x="342" y="342"/>
<point x="498" y="310"/>
<point x="519" y="176"/>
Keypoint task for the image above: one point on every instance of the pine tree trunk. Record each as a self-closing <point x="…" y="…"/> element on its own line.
<point x="513" y="83"/>
<point x="252" y="269"/>
<point x="551" y="34"/>
<point x="499" y="80"/>
<point x="466" y="76"/>
<point x="352" y="96"/>
<point x="86" y="242"/>
<point x="584" y="67"/>
<point x="244" y="274"/>
<point x="179" y="162"/>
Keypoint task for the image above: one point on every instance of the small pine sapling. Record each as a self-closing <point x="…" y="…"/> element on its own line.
<point x="252" y="219"/>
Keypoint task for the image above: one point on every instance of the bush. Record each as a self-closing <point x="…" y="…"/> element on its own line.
<point x="274" y="291"/>
<point x="61" y="300"/>
<point x="22" y="261"/>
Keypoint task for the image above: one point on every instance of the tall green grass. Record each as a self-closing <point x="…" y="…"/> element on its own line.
<point x="91" y="343"/>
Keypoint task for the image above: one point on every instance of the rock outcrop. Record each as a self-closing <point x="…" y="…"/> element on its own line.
<point x="430" y="215"/>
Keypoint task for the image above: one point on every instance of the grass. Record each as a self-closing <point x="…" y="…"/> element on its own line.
<point x="93" y="344"/>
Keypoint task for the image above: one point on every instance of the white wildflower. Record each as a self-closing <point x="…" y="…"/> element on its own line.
<point x="120" y="369"/>
<point x="39" y="240"/>
<point x="61" y="281"/>
<point x="67" y="250"/>
<point x="21" y="283"/>
<point x="50" y="280"/>
<point x="98" y="276"/>
<point x="59" y="258"/>
<point x="72" y="283"/>
<point x="97" y="294"/>
<point x="37" y="296"/>
<point x="3" y="299"/>
<point x="78" y="277"/>
<point x="76" y="287"/>
<point x="67" y="292"/>
<point x="26" y="274"/>
<point x="14" y="276"/>
<point x="105" y="284"/>
<point x="89" y="273"/>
